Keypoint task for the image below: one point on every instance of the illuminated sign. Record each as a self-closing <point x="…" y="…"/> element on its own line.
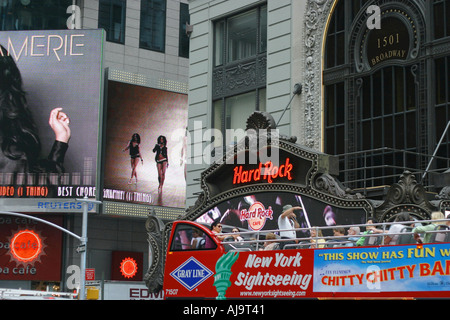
<point x="268" y="172"/>
<point x="149" y="179"/>
<point x="128" y="267"/>
<point x="26" y="246"/>
<point x="256" y="215"/>
<point x="45" y="60"/>
<point x="30" y="250"/>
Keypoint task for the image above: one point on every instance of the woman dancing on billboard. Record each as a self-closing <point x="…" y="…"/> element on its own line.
<point x="135" y="154"/>
<point x="20" y="143"/>
<point x="162" y="161"/>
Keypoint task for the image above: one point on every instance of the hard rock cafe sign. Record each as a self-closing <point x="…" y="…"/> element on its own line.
<point x="256" y="216"/>
<point x="267" y="172"/>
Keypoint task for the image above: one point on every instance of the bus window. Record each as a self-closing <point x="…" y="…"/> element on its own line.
<point x="188" y="237"/>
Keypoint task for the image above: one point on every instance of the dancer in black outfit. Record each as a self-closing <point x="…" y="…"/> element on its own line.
<point x="135" y="155"/>
<point x="162" y="160"/>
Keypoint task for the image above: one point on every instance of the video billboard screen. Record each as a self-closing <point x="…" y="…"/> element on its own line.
<point x="261" y="211"/>
<point x="50" y="100"/>
<point x="145" y="146"/>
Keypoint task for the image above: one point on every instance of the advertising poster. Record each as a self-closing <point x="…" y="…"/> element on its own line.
<point x="50" y="96"/>
<point x="30" y="250"/>
<point x="278" y="274"/>
<point x="261" y="211"/>
<point x="145" y="146"/>
<point x="383" y="269"/>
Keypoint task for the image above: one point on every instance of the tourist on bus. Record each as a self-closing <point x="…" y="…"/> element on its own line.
<point x="270" y="244"/>
<point x="317" y="240"/>
<point x="370" y="229"/>
<point x="353" y="236"/>
<point x="393" y="233"/>
<point x="287" y="223"/>
<point x="437" y="215"/>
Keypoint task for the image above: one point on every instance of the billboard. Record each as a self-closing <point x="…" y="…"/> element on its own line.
<point x="145" y="146"/>
<point x="260" y="211"/>
<point x="50" y="96"/>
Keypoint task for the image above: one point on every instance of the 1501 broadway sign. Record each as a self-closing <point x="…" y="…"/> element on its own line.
<point x="383" y="269"/>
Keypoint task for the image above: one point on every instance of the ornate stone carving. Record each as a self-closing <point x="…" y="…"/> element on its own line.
<point x="328" y="184"/>
<point x="408" y="194"/>
<point x="155" y="274"/>
<point x="317" y="12"/>
<point x="239" y="77"/>
<point x="444" y="194"/>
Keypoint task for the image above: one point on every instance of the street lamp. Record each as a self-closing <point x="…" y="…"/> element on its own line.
<point x="82" y="248"/>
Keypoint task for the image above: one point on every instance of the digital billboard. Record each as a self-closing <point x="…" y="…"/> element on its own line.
<point x="145" y="146"/>
<point x="261" y="211"/>
<point x="50" y="102"/>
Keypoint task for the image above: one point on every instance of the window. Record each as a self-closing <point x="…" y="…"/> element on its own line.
<point x="111" y="17"/>
<point x="442" y="107"/>
<point x="183" y="46"/>
<point x="241" y="36"/>
<point x="441" y="13"/>
<point x="188" y="237"/>
<point x="239" y="76"/>
<point x="33" y="15"/>
<point x="153" y="25"/>
<point x="380" y="121"/>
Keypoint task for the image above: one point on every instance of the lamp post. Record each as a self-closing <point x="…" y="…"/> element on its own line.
<point x="83" y="246"/>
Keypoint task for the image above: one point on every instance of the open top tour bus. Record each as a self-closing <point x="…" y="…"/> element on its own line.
<point x="255" y="255"/>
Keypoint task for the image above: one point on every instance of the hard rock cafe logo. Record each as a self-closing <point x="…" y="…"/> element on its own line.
<point x="256" y="215"/>
<point x="26" y="247"/>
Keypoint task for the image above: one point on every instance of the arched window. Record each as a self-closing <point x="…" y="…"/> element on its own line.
<point x="386" y="97"/>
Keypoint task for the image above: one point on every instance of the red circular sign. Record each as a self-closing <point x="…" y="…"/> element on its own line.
<point x="26" y="245"/>
<point x="128" y="267"/>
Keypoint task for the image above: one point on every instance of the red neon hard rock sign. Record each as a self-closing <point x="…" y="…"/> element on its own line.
<point x="265" y="172"/>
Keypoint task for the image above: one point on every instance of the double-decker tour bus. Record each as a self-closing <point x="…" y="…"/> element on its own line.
<point x="286" y="228"/>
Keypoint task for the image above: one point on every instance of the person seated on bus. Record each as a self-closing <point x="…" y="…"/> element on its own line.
<point x="338" y="232"/>
<point x="197" y="241"/>
<point x="353" y="237"/>
<point x="369" y="230"/>
<point x="216" y="229"/>
<point x="392" y="235"/>
<point x="317" y="240"/>
<point x="270" y="244"/>
<point x="235" y="236"/>
<point x="437" y="215"/>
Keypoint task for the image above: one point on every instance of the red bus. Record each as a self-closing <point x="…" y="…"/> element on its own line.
<point x="199" y="265"/>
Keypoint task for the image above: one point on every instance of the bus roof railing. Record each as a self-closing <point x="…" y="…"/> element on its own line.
<point x="255" y="236"/>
